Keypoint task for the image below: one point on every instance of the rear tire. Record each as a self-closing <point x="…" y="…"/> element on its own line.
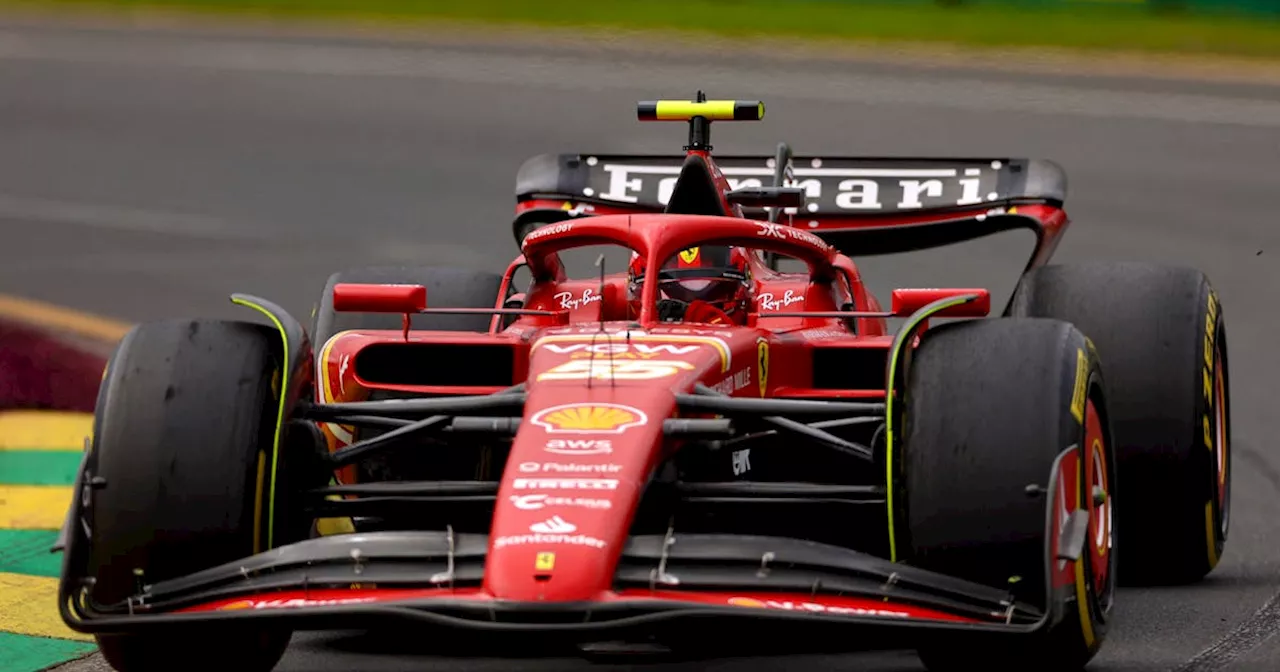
<point x="990" y="406"/>
<point x="183" y="443"/>
<point x="1160" y="333"/>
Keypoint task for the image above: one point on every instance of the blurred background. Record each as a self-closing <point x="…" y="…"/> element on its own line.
<point x="157" y="156"/>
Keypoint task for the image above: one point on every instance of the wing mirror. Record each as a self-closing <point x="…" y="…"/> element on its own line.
<point x="368" y="298"/>
<point x="908" y="301"/>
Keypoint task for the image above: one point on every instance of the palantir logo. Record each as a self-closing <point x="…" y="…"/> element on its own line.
<point x="553" y="525"/>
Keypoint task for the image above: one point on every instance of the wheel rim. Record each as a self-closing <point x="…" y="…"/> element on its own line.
<point x="1097" y="498"/>
<point x="1221" y="447"/>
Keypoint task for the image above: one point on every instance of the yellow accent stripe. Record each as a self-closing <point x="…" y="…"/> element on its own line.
<point x="44" y="430"/>
<point x="323" y="364"/>
<point x="275" y="441"/>
<point x="28" y="606"/>
<point x="50" y="316"/>
<point x="894" y="356"/>
<point x="726" y="357"/>
<point x="33" y="507"/>
<point x="343" y="433"/>
<point x="257" y="503"/>
<point x="327" y="527"/>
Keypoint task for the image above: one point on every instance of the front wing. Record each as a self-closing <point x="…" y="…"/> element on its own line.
<point x="434" y="580"/>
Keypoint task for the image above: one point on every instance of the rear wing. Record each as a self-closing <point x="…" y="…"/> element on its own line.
<point x="861" y="205"/>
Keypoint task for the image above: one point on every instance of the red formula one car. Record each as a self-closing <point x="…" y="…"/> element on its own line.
<point x="701" y="449"/>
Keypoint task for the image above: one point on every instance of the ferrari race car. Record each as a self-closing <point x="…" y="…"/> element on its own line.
<point x="702" y="440"/>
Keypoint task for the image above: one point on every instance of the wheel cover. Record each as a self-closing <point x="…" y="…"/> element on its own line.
<point x="1221" y="448"/>
<point x="1096" y="497"/>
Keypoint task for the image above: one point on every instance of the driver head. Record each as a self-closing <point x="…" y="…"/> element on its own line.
<point x="718" y="275"/>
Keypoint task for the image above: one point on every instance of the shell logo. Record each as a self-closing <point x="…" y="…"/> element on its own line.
<point x="589" y="418"/>
<point x="746" y="602"/>
<point x="241" y="604"/>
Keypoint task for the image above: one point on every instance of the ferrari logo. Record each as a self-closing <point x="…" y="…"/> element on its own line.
<point x="545" y="562"/>
<point x="689" y="256"/>
<point x="762" y="364"/>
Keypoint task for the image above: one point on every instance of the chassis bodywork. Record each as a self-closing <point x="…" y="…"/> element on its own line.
<point x="612" y="444"/>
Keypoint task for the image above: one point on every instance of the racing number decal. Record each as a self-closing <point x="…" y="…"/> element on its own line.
<point x="1082" y="381"/>
<point x="762" y="364"/>
<point x="597" y="369"/>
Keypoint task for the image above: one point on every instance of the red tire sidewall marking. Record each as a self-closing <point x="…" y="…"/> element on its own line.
<point x="1220" y="438"/>
<point x="1097" y="476"/>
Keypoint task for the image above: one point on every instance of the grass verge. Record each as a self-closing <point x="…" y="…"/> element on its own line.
<point x="1131" y="27"/>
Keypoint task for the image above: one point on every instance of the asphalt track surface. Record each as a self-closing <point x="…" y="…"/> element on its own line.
<point x="148" y="175"/>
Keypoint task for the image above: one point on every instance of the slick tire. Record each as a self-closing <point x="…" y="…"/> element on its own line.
<point x="1161" y="336"/>
<point x="183" y="456"/>
<point x="446" y="288"/>
<point x="999" y="414"/>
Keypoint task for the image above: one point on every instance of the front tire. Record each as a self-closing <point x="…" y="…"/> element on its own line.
<point x="183" y="450"/>
<point x="994" y="410"/>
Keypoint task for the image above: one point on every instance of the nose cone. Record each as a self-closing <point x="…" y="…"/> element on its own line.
<point x="591" y="435"/>
<point x="570" y="489"/>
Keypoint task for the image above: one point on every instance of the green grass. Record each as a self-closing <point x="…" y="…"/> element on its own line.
<point x="1129" y="27"/>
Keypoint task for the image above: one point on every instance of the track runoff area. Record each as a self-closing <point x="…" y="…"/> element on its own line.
<point x="40" y="451"/>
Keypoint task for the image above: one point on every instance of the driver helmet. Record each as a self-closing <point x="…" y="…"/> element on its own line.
<point x="715" y="274"/>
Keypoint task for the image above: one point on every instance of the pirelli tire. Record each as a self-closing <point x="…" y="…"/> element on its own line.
<point x="186" y="478"/>
<point x="1005" y="436"/>
<point x="1162" y="337"/>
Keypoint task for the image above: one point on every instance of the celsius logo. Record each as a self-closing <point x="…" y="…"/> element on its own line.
<point x="580" y="447"/>
<point x="536" y="502"/>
